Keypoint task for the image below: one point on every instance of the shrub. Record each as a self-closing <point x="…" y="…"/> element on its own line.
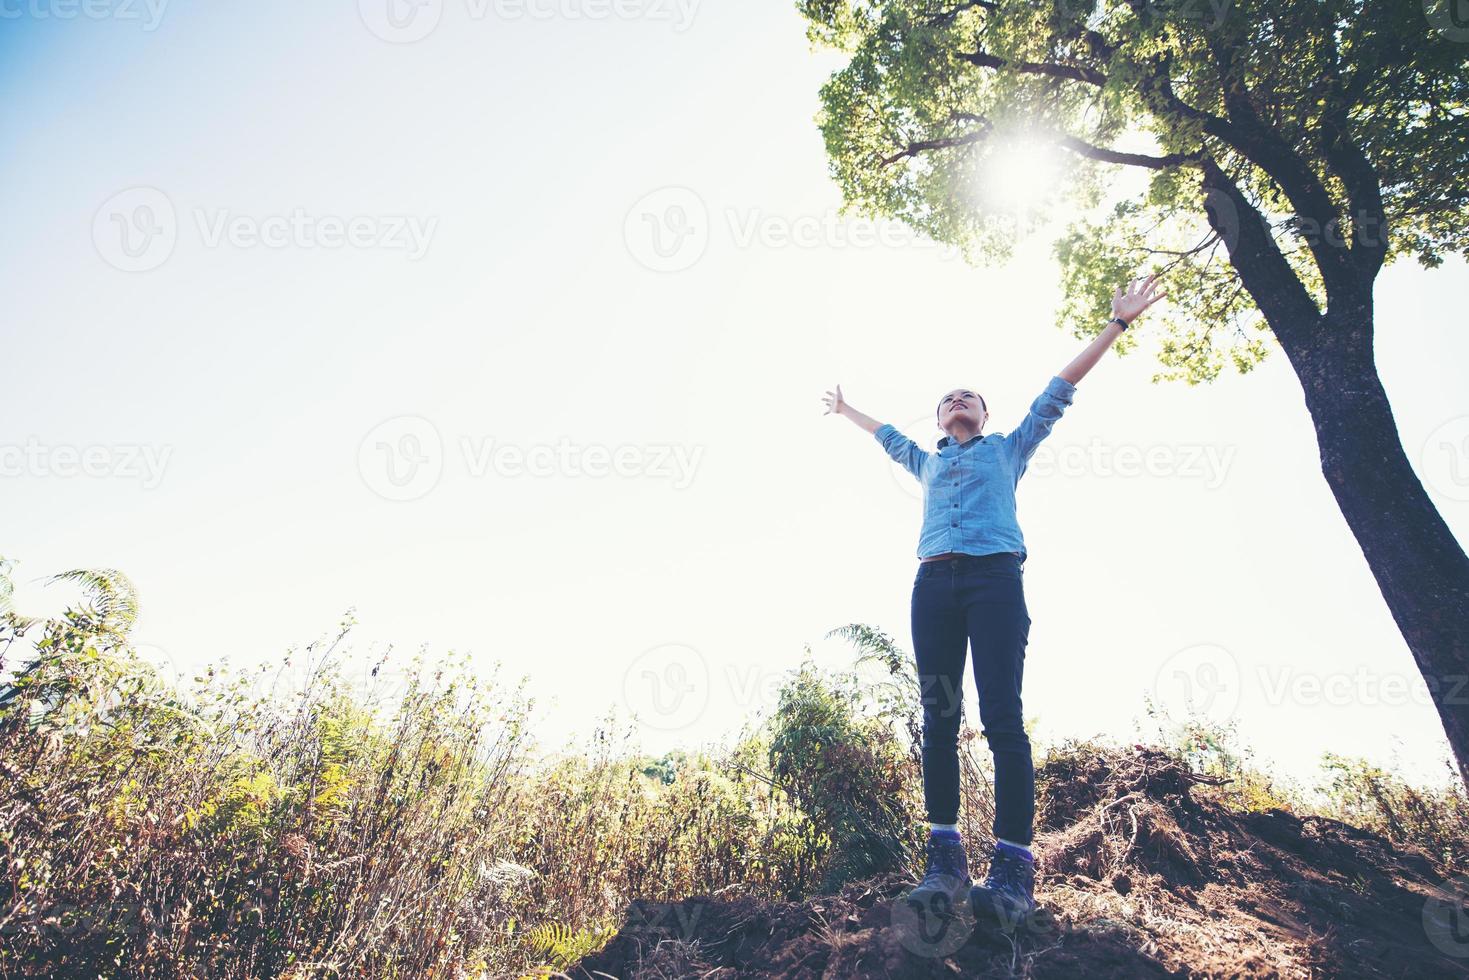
<point x="239" y="829"/>
<point x="847" y="772"/>
<point x="1435" y="818"/>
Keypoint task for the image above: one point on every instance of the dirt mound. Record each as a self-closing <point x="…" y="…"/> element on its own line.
<point x="1139" y="877"/>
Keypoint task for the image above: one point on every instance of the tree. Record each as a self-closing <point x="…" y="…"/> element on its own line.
<point x="1285" y="151"/>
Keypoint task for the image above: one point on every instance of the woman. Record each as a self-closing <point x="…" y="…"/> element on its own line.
<point x="969" y="590"/>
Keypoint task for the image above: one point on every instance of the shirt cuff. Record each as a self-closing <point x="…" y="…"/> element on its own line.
<point x="881" y="432"/>
<point x="1061" y="389"/>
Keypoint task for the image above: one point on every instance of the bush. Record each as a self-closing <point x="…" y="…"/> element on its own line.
<point x="848" y="774"/>
<point x="1435" y="819"/>
<point x="1214" y="749"/>
<point x="239" y="830"/>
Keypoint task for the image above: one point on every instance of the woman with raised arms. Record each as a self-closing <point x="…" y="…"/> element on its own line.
<point x="968" y="592"/>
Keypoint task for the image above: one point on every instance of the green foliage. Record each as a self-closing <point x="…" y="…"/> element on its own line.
<point x="1434" y="819"/>
<point x="217" y="834"/>
<point x="314" y="830"/>
<point x="847" y="772"/>
<point x="1214" y="749"/>
<point x="7" y="587"/>
<point x="894" y="696"/>
<point x="560" y="946"/>
<point x="110" y="603"/>
<point x="1310" y="109"/>
<point x="666" y="768"/>
<point x="284" y="822"/>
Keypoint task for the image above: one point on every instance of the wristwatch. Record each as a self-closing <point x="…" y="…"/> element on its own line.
<point x="1119" y="321"/>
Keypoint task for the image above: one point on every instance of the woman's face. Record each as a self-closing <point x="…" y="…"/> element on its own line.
<point x="961" y="405"/>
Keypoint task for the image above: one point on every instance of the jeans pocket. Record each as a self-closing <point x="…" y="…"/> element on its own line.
<point x="994" y="587"/>
<point x="993" y="573"/>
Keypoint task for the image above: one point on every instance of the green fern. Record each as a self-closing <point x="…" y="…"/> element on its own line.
<point x="111" y="597"/>
<point x="561" y="946"/>
<point x="873" y="645"/>
<point x="7" y="588"/>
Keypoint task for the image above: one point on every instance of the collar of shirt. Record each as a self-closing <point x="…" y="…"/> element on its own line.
<point x="947" y="441"/>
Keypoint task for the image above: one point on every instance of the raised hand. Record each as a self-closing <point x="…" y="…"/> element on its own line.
<point x="1127" y="305"/>
<point x="834" y="402"/>
<point x="1139" y="295"/>
<point x="837" y="405"/>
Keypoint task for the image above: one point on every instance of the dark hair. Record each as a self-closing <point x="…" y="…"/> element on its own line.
<point x="940" y="405"/>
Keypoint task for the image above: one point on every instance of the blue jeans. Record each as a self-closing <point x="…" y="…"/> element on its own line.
<point x="978" y="602"/>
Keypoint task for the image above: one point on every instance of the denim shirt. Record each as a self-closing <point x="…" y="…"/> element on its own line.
<point x="969" y="489"/>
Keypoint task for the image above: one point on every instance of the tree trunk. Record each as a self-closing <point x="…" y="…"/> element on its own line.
<point x="1420" y="567"/>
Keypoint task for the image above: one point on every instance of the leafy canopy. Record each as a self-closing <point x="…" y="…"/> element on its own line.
<point x="1341" y="123"/>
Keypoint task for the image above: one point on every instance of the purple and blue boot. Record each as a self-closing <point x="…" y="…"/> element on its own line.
<point x="946" y="879"/>
<point x="1008" y="891"/>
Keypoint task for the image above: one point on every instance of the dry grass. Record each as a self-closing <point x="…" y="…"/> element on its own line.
<point x="239" y="830"/>
<point x="245" y="828"/>
<point x="335" y="833"/>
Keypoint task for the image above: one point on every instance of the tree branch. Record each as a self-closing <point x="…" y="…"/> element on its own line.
<point x="943" y="143"/>
<point x="1106" y="155"/>
<point x="1157" y="92"/>
<point x="1255" y="255"/>
<point x="1264" y="147"/>
<point x="1076" y="73"/>
<point x="1350" y="163"/>
<point x="1065" y="140"/>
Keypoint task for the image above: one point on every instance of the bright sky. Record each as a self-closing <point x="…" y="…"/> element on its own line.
<point x="302" y="318"/>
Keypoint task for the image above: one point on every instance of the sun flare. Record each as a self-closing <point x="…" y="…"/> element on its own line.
<point x="1017" y="175"/>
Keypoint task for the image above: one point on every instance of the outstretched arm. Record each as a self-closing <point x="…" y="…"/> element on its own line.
<point x="903" y="450"/>
<point x="1047" y="408"/>
<point x="1128" y="305"/>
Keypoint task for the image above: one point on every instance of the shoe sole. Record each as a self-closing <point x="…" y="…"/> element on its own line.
<point x="925" y="900"/>
<point x="987" y="904"/>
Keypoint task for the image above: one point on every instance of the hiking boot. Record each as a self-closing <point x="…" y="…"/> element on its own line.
<point x="947" y="878"/>
<point x="1008" y="891"/>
